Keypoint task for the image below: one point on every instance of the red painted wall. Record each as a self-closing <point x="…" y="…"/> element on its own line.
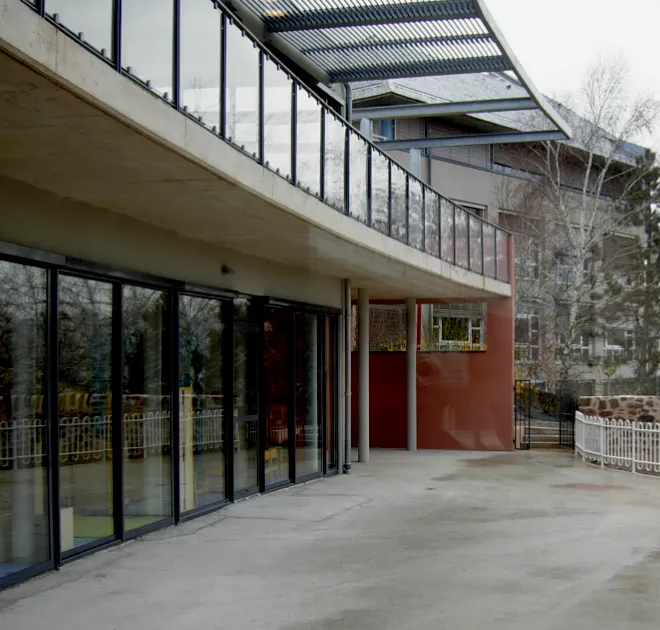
<point x="464" y="400"/>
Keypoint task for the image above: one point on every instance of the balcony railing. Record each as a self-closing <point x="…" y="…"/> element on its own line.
<point x="196" y="56"/>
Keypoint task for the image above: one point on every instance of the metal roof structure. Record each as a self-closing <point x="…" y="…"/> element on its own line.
<point x="362" y="40"/>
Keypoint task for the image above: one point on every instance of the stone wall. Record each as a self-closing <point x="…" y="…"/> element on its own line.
<point x="640" y="408"/>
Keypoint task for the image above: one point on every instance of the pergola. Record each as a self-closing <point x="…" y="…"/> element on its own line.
<point x="353" y="41"/>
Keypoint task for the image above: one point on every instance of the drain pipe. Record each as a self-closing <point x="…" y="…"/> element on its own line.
<point x="348" y="348"/>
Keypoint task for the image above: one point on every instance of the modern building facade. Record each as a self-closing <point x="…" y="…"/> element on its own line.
<point x="186" y="219"/>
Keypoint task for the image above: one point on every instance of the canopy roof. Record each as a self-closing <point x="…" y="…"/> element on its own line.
<point x="363" y="40"/>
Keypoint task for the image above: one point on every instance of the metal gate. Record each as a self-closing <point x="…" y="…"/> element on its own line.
<point x="522" y="414"/>
<point x="568" y="405"/>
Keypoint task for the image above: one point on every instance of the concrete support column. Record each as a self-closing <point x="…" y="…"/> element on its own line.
<point x="411" y="372"/>
<point x="363" y="329"/>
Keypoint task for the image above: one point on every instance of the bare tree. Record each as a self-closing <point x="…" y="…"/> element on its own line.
<point x="568" y="209"/>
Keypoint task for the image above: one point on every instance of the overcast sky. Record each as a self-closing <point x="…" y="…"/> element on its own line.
<point x="557" y="41"/>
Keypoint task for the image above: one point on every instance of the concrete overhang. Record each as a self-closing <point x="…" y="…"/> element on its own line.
<point x="71" y="125"/>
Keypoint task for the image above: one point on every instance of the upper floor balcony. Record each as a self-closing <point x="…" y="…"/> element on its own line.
<point x="197" y="59"/>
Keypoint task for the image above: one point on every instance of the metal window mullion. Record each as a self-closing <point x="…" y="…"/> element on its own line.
<point x="176" y="55"/>
<point x="175" y="427"/>
<point x="53" y="421"/>
<point x="223" y="74"/>
<point x="347" y="171"/>
<point x="322" y="174"/>
<point x="116" y="32"/>
<point x="41" y="7"/>
<point x="423" y="218"/>
<point x="294" y="132"/>
<point x="495" y="250"/>
<point x="407" y="202"/>
<point x="293" y="400"/>
<point x="261" y="104"/>
<point x="389" y="200"/>
<point x="227" y="344"/>
<point x="469" y="238"/>
<point x="438" y="202"/>
<point x="483" y="268"/>
<point x="454" y="230"/>
<point x="117" y="421"/>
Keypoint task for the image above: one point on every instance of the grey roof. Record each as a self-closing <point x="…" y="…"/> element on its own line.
<point x="485" y="87"/>
<point x="363" y="40"/>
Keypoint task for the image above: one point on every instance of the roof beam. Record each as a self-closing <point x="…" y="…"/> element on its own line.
<point x="464" y="141"/>
<point x="421" y="110"/>
<point x="431" y="67"/>
<point x="362" y="15"/>
<point x="398" y="43"/>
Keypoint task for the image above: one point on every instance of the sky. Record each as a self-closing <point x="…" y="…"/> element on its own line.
<point x="557" y="41"/>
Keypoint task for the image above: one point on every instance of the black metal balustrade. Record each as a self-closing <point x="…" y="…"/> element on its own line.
<point x="195" y="55"/>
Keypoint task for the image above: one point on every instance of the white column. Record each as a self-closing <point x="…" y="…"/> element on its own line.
<point x="365" y="128"/>
<point x="411" y="361"/>
<point x="416" y="162"/>
<point x="363" y="323"/>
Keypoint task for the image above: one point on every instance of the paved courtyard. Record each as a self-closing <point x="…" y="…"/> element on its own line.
<point x="427" y="540"/>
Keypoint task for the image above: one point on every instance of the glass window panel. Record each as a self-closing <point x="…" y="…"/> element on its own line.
<point x="380" y="192"/>
<point x="24" y="535"/>
<point x="308" y="141"/>
<point x="202" y="458"/>
<point x="502" y="255"/>
<point x="85" y="372"/>
<point x="278" y="343"/>
<point x="200" y="60"/>
<point x="147" y="38"/>
<point x="446" y="230"/>
<point x="242" y="90"/>
<point x="277" y="121"/>
<point x="489" y="250"/>
<point x="476" y="263"/>
<point x="358" y="178"/>
<point x="335" y="150"/>
<point x="308" y="428"/>
<point x="398" y="203"/>
<point x="431" y="222"/>
<point x="415" y="214"/>
<point x="461" y="238"/>
<point x="147" y="442"/>
<point x="92" y="20"/>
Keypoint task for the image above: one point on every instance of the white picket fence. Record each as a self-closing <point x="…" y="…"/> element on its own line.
<point x="623" y="444"/>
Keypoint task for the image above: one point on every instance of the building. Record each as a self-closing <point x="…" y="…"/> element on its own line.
<point x="186" y="219"/>
<point x="471" y="156"/>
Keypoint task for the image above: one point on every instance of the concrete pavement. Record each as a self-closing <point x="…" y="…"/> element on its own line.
<point x="423" y="540"/>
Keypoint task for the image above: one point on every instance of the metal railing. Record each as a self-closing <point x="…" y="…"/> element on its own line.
<point x="196" y="56"/>
<point x="624" y="444"/>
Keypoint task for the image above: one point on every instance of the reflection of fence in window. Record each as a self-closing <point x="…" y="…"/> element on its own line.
<point x="206" y="430"/>
<point x="22" y="443"/>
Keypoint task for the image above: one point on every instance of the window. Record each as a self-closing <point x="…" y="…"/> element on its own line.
<point x="580" y="332"/>
<point x="459" y="327"/>
<point x="527" y="335"/>
<point x="474" y="208"/>
<point x="619" y="342"/>
<point x="567" y="267"/>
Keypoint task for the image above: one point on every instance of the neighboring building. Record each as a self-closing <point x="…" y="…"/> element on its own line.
<point x="186" y="219"/>
<point x="495" y="177"/>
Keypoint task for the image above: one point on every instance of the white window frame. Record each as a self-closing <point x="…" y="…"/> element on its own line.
<point x="470" y="316"/>
<point x="529" y="346"/>
<point x="613" y="350"/>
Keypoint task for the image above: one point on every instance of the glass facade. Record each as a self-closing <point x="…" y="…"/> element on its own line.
<point x="118" y="377"/>
<point x="91" y="21"/>
<point x="24" y="513"/>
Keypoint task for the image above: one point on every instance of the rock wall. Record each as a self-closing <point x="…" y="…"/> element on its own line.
<point x="640" y="408"/>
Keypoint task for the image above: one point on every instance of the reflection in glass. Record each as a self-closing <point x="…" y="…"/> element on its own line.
<point x="85" y="368"/>
<point x="335" y="150"/>
<point x="502" y="255"/>
<point x="147" y="37"/>
<point x="358" y="178"/>
<point x="147" y="441"/>
<point x="246" y="410"/>
<point x="380" y="192"/>
<point x="200" y="60"/>
<point x="476" y="263"/>
<point x="398" y="203"/>
<point x="92" y="20"/>
<point x="461" y="238"/>
<point x="431" y="222"/>
<point x="277" y="118"/>
<point x="24" y="536"/>
<point x="489" y="250"/>
<point x="278" y="336"/>
<point x="330" y="402"/>
<point x="202" y="459"/>
<point x="415" y="214"/>
<point x="308" y="141"/>
<point x="446" y="231"/>
<point x="242" y="90"/>
<point x="308" y="428"/>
